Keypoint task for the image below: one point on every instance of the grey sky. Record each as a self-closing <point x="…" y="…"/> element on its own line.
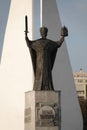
<point x="73" y="15"/>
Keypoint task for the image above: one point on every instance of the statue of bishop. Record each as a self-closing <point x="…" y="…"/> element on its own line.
<point x="43" y="52"/>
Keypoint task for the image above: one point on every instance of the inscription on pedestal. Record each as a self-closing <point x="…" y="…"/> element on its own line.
<point x="47" y="114"/>
<point x="27" y="115"/>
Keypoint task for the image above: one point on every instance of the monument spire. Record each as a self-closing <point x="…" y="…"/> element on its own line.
<point x="62" y="72"/>
<point x="16" y="73"/>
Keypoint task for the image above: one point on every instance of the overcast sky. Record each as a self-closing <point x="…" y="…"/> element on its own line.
<point x="73" y="15"/>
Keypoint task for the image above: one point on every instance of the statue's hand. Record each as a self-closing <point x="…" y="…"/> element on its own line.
<point x="64" y="31"/>
<point x="26" y="37"/>
<point x="26" y="34"/>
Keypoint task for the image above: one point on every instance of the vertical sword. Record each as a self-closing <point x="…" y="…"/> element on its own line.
<point x="26" y="25"/>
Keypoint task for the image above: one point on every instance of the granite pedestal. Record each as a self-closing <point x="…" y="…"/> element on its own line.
<point x="42" y="110"/>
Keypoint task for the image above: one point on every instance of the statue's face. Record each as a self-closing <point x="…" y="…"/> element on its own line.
<point x="43" y="32"/>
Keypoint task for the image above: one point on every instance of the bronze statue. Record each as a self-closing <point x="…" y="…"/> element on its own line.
<point x="43" y="52"/>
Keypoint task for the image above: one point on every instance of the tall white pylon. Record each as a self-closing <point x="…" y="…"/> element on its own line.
<point x="16" y="75"/>
<point x="71" y="117"/>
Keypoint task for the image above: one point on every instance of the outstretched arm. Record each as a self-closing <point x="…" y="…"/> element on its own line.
<point x="59" y="43"/>
<point x="28" y="41"/>
<point x="64" y="33"/>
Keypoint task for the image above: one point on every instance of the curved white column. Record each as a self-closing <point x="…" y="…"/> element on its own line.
<point x="16" y="74"/>
<point x="71" y="117"/>
<point x="15" y="55"/>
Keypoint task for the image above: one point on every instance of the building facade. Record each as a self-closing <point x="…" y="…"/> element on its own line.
<point x="80" y="79"/>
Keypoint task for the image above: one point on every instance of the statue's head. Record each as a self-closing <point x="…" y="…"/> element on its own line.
<point x="43" y="32"/>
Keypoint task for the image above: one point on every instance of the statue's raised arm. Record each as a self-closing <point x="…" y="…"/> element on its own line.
<point x="64" y="33"/>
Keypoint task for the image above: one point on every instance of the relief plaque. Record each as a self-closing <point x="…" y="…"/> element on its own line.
<point x="47" y="115"/>
<point x="27" y="115"/>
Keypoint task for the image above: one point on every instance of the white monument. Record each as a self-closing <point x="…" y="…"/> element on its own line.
<point x="62" y="73"/>
<point x="16" y="74"/>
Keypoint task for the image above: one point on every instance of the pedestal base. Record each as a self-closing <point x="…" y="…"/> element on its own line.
<point x="42" y="110"/>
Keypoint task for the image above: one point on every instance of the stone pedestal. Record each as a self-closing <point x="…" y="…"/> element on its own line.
<point x="42" y="110"/>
